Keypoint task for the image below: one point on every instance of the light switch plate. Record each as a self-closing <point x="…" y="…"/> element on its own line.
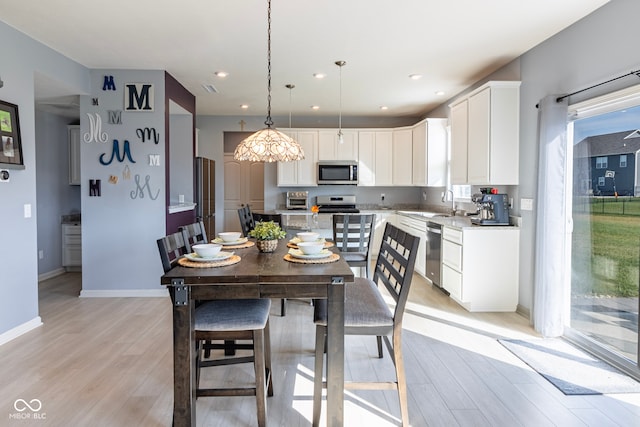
<point x="27" y="210"/>
<point x="526" y="204"/>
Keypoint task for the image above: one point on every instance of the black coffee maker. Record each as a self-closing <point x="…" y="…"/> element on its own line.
<point x="493" y="209"/>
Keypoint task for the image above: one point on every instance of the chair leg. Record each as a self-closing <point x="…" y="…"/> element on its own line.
<point x="402" y="381"/>
<point x="259" y="368"/>
<point x="267" y="359"/>
<point x="283" y="307"/>
<point x="379" y="339"/>
<point x="317" y="374"/>
<point x="198" y="360"/>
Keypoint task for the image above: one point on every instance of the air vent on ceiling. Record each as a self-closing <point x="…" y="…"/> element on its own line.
<point x="210" y="88"/>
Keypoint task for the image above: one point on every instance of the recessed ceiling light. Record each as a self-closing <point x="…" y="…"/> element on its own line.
<point x="315" y="107"/>
<point x="415" y="76"/>
<point x="244" y="106"/>
<point x="384" y="107"/>
<point x="210" y="88"/>
<point x="221" y="74"/>
<point x="440" y="93"/>
<point x="319" y="75"/>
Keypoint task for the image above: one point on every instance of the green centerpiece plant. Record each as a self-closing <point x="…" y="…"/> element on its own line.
<point x="267" y="234"/>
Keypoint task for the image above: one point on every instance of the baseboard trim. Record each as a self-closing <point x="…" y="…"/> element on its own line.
<point x="20" y="330"/>
<point x="523" y="311"/>
<point x="128" y="293"/>
<point x="51" y="274"/>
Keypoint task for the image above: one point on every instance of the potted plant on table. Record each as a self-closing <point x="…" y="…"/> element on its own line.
<point x="267" y="234"/>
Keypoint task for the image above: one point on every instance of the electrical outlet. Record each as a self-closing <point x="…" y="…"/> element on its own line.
<point x="382" y="196"/>
<point x="41" y="254"/>
<point x="526" y="204"/>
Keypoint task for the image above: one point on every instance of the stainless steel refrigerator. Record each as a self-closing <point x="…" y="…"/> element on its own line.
<point x="205" y="188"/>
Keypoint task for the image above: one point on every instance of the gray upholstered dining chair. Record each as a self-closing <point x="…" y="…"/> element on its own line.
<point x="246" y="220"/>
<point x="242" y="319"/>
<point x="353" y="234"/>
<point x="367" y="313"/>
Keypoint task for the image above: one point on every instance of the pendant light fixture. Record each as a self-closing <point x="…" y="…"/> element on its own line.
<point x="268" y="144"/>
<point x="340" y="136"/>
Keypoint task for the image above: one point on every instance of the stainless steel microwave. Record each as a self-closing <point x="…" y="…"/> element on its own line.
<point x="337" y="172"/>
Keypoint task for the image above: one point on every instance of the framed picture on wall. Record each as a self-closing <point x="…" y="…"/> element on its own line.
<point x="11" y="150"/>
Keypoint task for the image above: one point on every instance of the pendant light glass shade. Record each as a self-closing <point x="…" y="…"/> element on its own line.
<point x="268" y="144"/>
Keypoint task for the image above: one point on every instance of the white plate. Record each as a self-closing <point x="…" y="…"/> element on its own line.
<point x="297" y="240"/>
<point x="217" y="257"/>
<point x="240" y="241"/>
<point x="297" y="253"/>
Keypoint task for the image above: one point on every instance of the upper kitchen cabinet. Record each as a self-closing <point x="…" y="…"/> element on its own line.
<point x="429" y="141"/>
<point x="301" y="173"/>
<point x="330" y="149"/>
<point x="492" y="135"/>
<point x="375" y="150"/>
<point x="402" y="169"/>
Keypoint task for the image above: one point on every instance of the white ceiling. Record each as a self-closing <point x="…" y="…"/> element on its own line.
<point x="451" y="43"/>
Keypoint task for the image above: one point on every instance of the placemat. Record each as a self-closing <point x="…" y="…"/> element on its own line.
<point x="234" y="259"/>
<point x="244" y="245"/>
<point x="327" y="260"/>
<point x="327" y="244"/>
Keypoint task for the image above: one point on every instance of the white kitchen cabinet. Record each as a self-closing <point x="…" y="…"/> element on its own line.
<point x="74" y="154"/>
<point x="459" y="142"/>
<point x="71" y="246"/>
<point x="381" y="220"/>
<point x="418" y="228"/>
<point x="492" y="135"/>
<point x="429" y="146"/>
<point x="375" y="150"/>
<point x="301" y="173"/>
<point x="329" y="148"/>
<point x="402" y="169"/>
<point x="480" y="267"/>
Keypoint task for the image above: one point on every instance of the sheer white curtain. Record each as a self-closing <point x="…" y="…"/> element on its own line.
<point x="551" y="264"/>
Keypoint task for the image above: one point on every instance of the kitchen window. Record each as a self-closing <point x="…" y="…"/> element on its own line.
<point x="601" y="162"/>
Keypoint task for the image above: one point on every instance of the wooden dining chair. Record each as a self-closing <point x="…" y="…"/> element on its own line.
<point x="230" y="320"/>
<point x="367" y="313"/>
<point x="277" y="218"/>
<point x="353" y="234"/>
<point x="246" y="220"/>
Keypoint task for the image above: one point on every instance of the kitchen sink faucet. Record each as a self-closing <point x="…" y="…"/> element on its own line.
<point x="453" y="203"/>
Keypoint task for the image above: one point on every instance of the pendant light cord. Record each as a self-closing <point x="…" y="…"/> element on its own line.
<point x="269" y="122"/>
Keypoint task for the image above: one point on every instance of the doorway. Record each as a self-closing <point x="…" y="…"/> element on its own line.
<point x="605" y="242"/>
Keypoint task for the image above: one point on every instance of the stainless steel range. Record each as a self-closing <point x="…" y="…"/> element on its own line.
<point x="337" y="204"/>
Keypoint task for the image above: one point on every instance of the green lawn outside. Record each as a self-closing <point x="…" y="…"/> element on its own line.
<point x="606" y="247"/>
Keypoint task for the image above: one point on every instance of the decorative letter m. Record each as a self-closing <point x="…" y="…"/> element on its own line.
<point x="138" y="97"/>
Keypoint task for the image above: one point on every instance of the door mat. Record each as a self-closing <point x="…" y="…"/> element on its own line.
<point x="570" y="369"/>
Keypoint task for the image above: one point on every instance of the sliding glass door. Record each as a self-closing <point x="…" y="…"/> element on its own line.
<point x="605" y="261"/>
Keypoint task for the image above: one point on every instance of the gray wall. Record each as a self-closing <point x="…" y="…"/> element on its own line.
<point x="120" y="228"/>
<point x="54" y="194"/>
<point x="19" y="251"/>
<point x="599" y="47"/>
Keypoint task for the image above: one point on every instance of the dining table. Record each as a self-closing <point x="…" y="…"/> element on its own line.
<point x="256" y="275"/>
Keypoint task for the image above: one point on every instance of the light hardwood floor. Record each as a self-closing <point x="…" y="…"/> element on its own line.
<point x="108" y="362"/>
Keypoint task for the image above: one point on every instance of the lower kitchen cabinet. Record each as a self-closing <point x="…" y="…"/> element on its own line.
<point x="480" y="267"/>
<point x="71" y="246"/>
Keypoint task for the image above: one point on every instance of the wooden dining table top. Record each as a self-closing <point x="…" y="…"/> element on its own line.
<point x="262" y="268"/>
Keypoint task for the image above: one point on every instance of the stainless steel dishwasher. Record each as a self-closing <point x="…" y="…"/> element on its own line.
<point x="434" y="253"/>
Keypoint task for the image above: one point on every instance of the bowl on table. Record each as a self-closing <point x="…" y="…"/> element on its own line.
<point x="230" y="236"/>
<point x="310" y="248"/>
<point x="206" y="250"/>
<point x="308" y="236"/>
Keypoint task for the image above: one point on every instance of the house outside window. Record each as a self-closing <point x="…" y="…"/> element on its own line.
<point x="601" y="181"/>
<point x="601" y="163"/>
<point x="623" y="160"/>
